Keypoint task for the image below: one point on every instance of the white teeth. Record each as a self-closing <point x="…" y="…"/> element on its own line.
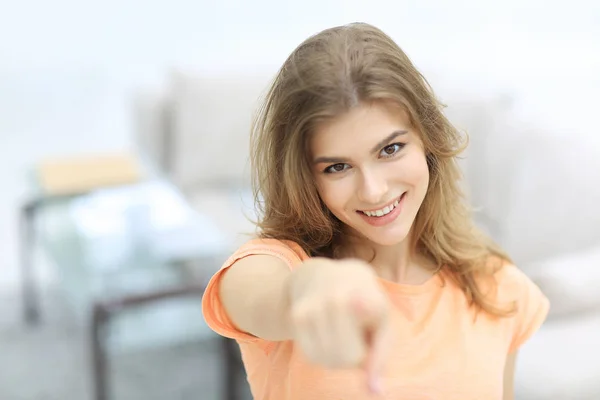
<point x="385" y="210"/>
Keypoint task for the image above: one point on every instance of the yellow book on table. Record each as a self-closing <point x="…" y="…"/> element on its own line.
<point x="80" y="174"/>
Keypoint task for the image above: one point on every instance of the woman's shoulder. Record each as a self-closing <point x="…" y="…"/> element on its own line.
<point x="531" y="306"/>
<point x="286" y="249"/>
<point x="510" y="284"/>
<point x="508" y="276"/>
<point x="500" y="273"/>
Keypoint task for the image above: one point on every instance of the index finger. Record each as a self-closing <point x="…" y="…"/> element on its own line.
<point x="377" y="340"/>
<point x="378" y="343"/>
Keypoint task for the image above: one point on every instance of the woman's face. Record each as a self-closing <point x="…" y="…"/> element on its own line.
<point x="371" y="172"/>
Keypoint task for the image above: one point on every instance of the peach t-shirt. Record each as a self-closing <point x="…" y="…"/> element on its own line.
<point x="440" y="351"/>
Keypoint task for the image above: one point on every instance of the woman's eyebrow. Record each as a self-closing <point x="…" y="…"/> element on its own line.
<point x="336" y="160"/>
<point x="330" y="160"/>
<point x="388" y="139"/>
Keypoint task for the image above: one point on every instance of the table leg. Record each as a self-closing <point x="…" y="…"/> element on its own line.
<point x="100" y="316"/>
<point x="27" y="235"/>
<point x="102" y="312"/>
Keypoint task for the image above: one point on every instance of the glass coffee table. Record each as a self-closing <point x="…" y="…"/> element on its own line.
<point x="118" y="251"/>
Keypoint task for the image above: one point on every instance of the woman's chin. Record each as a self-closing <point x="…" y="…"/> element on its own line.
<point x="390" y="235"/>
<point x="387" y="238"/>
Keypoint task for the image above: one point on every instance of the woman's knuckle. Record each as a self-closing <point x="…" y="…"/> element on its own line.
<point x="300" y="315"/>
<point x="338" y="301"/>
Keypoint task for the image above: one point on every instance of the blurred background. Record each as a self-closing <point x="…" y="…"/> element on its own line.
<point x="123" y="145"/>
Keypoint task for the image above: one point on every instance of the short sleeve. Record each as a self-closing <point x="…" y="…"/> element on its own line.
<point x="212" y="309"/>
<point x="532" y="306"/>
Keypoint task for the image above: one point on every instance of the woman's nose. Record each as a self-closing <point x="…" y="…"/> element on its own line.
<point x="372" y="187"/>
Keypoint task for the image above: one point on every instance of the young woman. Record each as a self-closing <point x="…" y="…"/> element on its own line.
<point x="368" y="276"/>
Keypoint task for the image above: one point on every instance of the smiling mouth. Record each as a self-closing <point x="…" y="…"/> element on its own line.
<point x="385" y="210"/>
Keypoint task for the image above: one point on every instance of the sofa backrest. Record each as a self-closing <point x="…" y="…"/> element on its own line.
<point x="210" y="118"/>
<point x="536" y="190"/>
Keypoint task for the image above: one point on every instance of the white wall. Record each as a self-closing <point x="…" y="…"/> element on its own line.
<point x="81" y="60"/>
<point x="72" y="65"/>
<point x="68" y="68"/>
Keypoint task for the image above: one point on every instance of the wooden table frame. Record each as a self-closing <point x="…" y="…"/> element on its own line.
<point x="104" y="310"/>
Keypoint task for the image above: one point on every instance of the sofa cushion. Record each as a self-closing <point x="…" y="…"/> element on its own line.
<point x="569" y="281"/>
<point x="233" y="211"/>
<point x="552" y="207"/>
<point x="150" y="118"/>
<point x="210" y="122"/>
<point x="561" y="361"/>
<point x="493" y="133"/>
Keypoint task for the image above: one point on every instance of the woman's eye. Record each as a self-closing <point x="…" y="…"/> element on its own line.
<point x="391" y="149"/>
<point x="332" y="169"/>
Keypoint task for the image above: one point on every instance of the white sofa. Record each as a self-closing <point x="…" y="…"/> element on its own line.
<point x="538" y="191"/>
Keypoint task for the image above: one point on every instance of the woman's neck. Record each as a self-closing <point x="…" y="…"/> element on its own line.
<point x="398" y="263"/>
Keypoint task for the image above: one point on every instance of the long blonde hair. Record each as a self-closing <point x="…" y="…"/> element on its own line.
<point x="325" y="76"/>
